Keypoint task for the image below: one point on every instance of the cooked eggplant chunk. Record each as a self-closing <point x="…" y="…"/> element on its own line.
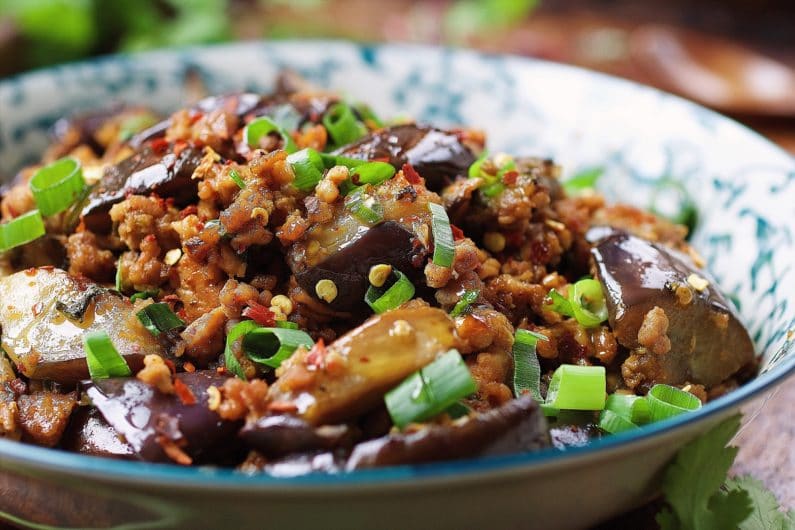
<point x="281" y="435"/>
<point x="437" y="155"/>
<point x="515" y="427"/>
<point x="90" y="434"/>
<point x="45" y="313"/>
<point x="144" y="172"/>
<point x="654" y="292"/>
<point x="153" y="422"/>
<point x="44" y="415"/>
<point x="352" y="374"/>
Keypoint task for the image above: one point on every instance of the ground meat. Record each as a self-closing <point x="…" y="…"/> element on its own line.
<point x="484" y="328"/>
<point x="198" y="287"/>
<point x="652" y="332"/>
<point x="18" y="199"/>
<point x="87" y="258"/>
<point x="236" y="295"/>
<point x="143" y="271"/>
<point x="9" y="417"/>
<point x="246" y="219"/>
<point x="641" y="370"/>
<point x="241" y="398"/>
<point x="157" y="374"/>
<point x="138" y="217"/>
<point x="518" y="299"/>
<point x="641" y="223"/>
<point x="491" y="371"/>
<point x="204" y="337"/>
<point x="43" y="416"/>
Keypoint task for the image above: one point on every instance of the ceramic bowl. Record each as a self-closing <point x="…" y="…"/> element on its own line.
<point x="743" y="187"/>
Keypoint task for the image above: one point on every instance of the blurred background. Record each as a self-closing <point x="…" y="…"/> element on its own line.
<point x="737" y="56"/>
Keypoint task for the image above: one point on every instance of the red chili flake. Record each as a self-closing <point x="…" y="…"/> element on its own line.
<point x="18" y="386"/>
<point x="159" y="145"/>
<point x="458" y="234"/>
<point x="411" y="174"/>
<point x="260" y="314"/>
<point x="283" y="406"/>
<point x="182" y="314"/>
<point x="179" y="146"/>
<point x="150" y="237"/>
<point x="196" y="116"/>
<point x="380" y="159"/>
<point x="31" y="271"/>
<point x="188" y="366"/>
<point x="188" y="210"/>
<point x="169" y="201"/>
<point x="364" y="359"/>
<point x="316" y="355"/>
<point x="184" y="393"/>
<point x="509" y="177"/>
<point x="171" y="366"/>
<point x="37" y="307"/>
<point x="170" y="298"/>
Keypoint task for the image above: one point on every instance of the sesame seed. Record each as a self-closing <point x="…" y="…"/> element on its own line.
<point x="326" y="290"/>
<point x="173" y="256"/>
<point x="697" y="282"/>
<point x="379" y="274"/>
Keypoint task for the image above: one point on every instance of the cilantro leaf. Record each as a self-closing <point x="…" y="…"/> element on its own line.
<point x="766" y="514"/>
<point x="692" y="484"/>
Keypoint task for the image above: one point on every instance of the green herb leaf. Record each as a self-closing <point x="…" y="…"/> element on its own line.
<point x="583" y="180"/>
<point x="766" y="514"/>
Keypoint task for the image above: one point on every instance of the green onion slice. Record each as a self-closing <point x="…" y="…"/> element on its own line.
<point x="493" y="189"/>
<point x="308" y="168"/>
<point x="368" y="115"/>
<point x="159" y="318"/>
<point x="466" y="300"/>
<point x="443" y="244"/>
<point x="271" y="346"/>
<point x="234" y="175"/>
<point x="102" y="358"/>
<point x="238" y="331"/>
<point x="21" y="230"/>
<point x="560" y="304"/>
<point x="588" y="303"/>
<point x="585" y="179"/>
<point x="431" y="390"/>
<point x="629" y="406"/>
<point x="342" y="125"/>
<point x="143" y="295"/>
<point x="372" y="173"/>
<point x="329" y="161"/>
<point x="119" y="282"/>
<point x="57" y="186"/>
<point x="365" y="207"/>
<point x="400" y="292"/>
<point x="613" y="423"/>
<point x="575" y="387"/>
<point x="667" y="401"/>
<point x="286" y="324"/>
<point x="263" y="125"/>
<point x="474" y="169"/>
<point x="526" y="368"/>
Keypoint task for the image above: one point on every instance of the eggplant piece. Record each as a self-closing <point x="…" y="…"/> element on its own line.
<point x="145" y="417"/>
<point x="44" y="416"/>
<point x="515" y="427"/>
<point x="45" y="314"/>
<point x="281" y="435"/>
<point x="90" y="434"/>
<point x="708" y="342"/>
<point x="81" y="129"/>
<point x="143" y="173"/>
<point x="359" y="367"/>
<point x="437" y="155"/>
<point x="300" y="464"/>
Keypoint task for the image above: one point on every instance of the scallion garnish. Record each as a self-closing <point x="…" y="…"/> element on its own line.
<point x="431" y="390"/>
<point x="234" y="175"/>
<point x="263" y="125"/>
<point x="493" y="189"/>
<point x="329" y="161"/>
<point x="666" y="401"/>
<point x="238" y="331"/>
<point x="575" y="387"/>
<point x="367" y="114"/>
<point x="286" y="324"/>
<point x="143" y="295"/>
<point x="102" y="358"/>
<point x="443" y="244"/>
<point x="271" y="346"/>
<point x="159" y="318"/>
<point x="585" y="179"/>
<point x="365" y="207"/>
<point x="613" y="423"/>
<point x="57" y="186"/>
<point x="474" y="169"/>
<point x="372" y="173"/>
<point x="560" y="304"/>
<point x="308" y="168"/>
<point x="632" y="407"/>
<point x="119" y="281"/>
<point x="586" y="303"/>
<point x="466" y="300"/>
<point x="526" y="368"/>
<point x="342" y="125"/>
<point x="21" y="230"/>
<point x="400" y="292"/>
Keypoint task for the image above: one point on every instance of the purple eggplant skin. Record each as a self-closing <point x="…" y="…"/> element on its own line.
<point x="141" y="414"/>
<point x="281" y="435"/>
<point x="708" y="342"/>
<point x="515" y="427"/>
<point x="437" y="155"/>
<point x="81" y="129"/>
<point x="88" y="433"/>
<point x="142" y="173"/>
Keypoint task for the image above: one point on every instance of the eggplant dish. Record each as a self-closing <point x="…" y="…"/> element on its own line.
<point x="284" y="284"/>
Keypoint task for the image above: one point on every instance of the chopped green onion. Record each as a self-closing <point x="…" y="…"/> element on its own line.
<point x="102" y="358"/>
<point x="585" y="179"/>
<point x="457" y="410"/>
<point x="667" y="401"/>
<point x="400" y="292"/>
<point x="466" y="300"/>
<point x="342" y="125"/>
<point x="271" y="346"/>
<point x="560" y="304"/>
<point x="286" y="324"/>
<point x="234" y="175"/>
<point x="365" y="207"/>
<point x="474" y="169"/>
<point x="629" y="406"/>
<point x="308" y="168"/>
<point x="613" y="423"/>
<point x="143" y="295"/>
<point x="367" y="114"/>
<point x="159" y="318"/>
<point x="493" y="189"/>
<point x="575" y="387"/>
<point x="372" y="173"/>
<point x="588" y="303"/>
<point x="21" y="230"/>
<point x="119" y="279"/>
<point x="329" y="161"/>
<point x="431" y="390"/>
<point x="443" y="243"/>
<point x="238" y="331"/>
<point x="263" y="125"/>
<point x="57" y="186"/>
<point x="526" y="368"/>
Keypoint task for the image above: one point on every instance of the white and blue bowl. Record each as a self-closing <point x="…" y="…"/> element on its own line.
<point x="744" y="191"/>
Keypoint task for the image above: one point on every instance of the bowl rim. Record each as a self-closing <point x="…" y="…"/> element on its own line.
<point x="24" y="456"/>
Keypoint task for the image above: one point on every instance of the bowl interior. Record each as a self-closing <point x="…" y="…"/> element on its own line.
<point x="742" y="186"/>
